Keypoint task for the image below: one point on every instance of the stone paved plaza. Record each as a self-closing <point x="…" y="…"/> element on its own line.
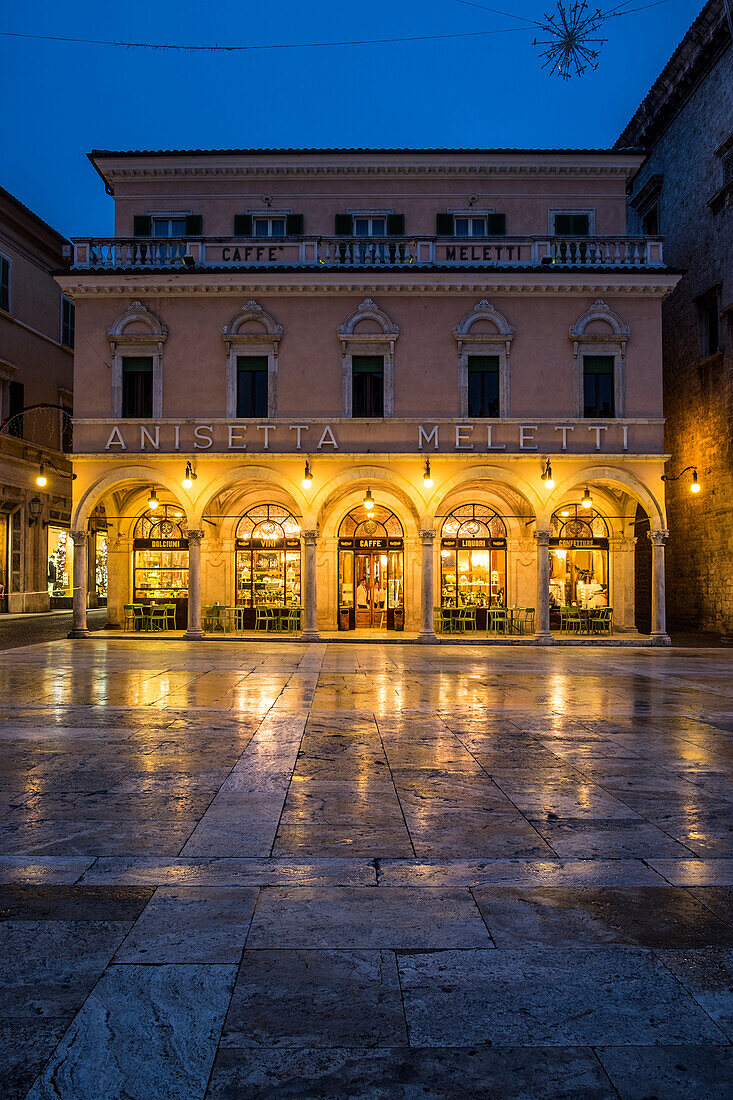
<point x="376" y="871"/>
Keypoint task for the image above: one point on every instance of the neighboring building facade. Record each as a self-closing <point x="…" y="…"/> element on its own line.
<point x="684" y="190"/>
<point x="36" y="379"/>
<point x="274" y="340"/>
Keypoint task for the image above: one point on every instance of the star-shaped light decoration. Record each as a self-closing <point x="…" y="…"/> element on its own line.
<point x="572" y="46"/>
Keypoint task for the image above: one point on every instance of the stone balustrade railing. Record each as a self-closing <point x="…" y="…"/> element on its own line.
<point x="110" y="253"/>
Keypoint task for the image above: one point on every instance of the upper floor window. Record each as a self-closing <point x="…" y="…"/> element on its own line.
<point x="5" y="283"/>
<point x="16" y="404"/>
<point x="137" y="386"/>
<point x="471" y="224"/>
<point x="370" y="225"/>
<point x="67" y="322"/>
<point x="368" y="386"/>
<point x="483" y="385"/>
<point x="268" y="225"/>
<point x="165" y="226"/>
<point x="567" y="224"/>
<point x="598" y="386"/>
<point x="709" y="314"/>
<point x="650" y="221"/>
<point x="252" y="385"/>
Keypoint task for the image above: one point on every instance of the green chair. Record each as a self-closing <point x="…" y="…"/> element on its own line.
<point x="292" y="622"/>
<point x="525" y="624"/>
<point x="497" y="621"/>
<point x="467" y="619"/>
<point x="438" y="619"/>
<point x="133" y="616"/>
<point x="263" y="618"/>
<point x="602" y="621"/>
<point x="571" y="620"/>
<point x="157" y="617"/>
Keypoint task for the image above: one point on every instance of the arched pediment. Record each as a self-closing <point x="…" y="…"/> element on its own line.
<point x="368" y="311"/>
<point x="484" y="324"/>
<point x="614" y="331"/>
<point x="138" y="325"/>
<point x="268" y="331"/>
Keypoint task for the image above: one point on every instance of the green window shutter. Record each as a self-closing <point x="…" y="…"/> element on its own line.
<point x="252" y="362"/>
<point x="194" y="225"/>
<point x="294" y="225"/>
<point x="444" y="225"/>
<point x="572" y="225"/>
<point x="598" y="364"/>
<point x="581" y="225"/>
<point x="395" y="225"/>
<point x="142" y="225"/>
<point x="496" y="225"/>
<point x="483" y="363"/>
<point x="343" y="225"/>
<point x="140" y="364"/>
<point x="367" y="364"/>
<point x="242" y="225"/>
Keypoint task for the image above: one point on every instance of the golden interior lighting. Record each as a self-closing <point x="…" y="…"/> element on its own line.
<point x="41" y="480"/>
<point x="189" y="477"/>
<point x="307" y="476"/>
<point x="547" y="476"/>
<point x="368" y="500"/>
<point x="587" y="500"/>
<point x="153" y="500"/>
<point x="427" y="479"/>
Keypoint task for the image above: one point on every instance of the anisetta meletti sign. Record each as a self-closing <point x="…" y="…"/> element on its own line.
<point x="364" y="436"/>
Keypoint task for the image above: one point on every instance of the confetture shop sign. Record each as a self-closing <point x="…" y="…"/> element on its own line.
<point x="364" y="436"/>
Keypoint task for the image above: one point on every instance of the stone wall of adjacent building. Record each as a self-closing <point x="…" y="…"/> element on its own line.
<point x="696" y="219"/>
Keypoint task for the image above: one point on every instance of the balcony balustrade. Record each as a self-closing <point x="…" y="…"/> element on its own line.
<point x="142" y="253"/>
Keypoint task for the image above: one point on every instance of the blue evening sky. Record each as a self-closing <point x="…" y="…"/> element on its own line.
<point x="485" y="91"/>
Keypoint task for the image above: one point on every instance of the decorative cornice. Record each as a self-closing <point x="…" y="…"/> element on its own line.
<point x="123" y="285"/>
<point x="272" y="170"/>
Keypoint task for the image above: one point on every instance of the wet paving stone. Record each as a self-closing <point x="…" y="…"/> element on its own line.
<point x="243" y="870"/>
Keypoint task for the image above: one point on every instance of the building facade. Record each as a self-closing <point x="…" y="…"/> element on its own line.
<point x="36" y="379"/>
<point x="684" y="189"/>
<point x="371" y="384"/>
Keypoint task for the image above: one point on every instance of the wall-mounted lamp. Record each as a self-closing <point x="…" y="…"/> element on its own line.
<point x="426" y="478"/>
<point x="368" y="500"/>
<point x="153" y="501"/>
<point x="587" y="500"/>
<point x="188" y="478"/>
<point x="35" y="507"/>
<point x="307" y="476"/>
<point x="547" y="475"/>
<point x="41" y="480"/>
<point x="695" y="485"/>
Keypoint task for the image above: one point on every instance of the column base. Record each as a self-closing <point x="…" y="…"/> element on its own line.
<point x="427" y="637"/>
<point x="310" y="636"/>
<point x="79" y="633"/>
<point x="543" y="638"/>
<point x="194" y="636"/>
<point x="661" y="639"/>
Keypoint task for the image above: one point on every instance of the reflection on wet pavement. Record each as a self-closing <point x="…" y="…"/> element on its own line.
<point x="363" y="870"/>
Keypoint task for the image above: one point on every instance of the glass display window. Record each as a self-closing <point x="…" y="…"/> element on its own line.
<point x="473" y="560"/>
<point x="60" y="570"/>
<point x="371" y="570"/>
<point x="160" y="560"/>
<point x="579" y="558"/>
<point x="100" y="564"/>
<point x="3" y="560"/>
<point x="267" y="558"/>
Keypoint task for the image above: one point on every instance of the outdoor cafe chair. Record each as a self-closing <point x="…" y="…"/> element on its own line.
<point x="571" y="620"/>
<point x="602" y="621"/>
<point x="438" y="619"/>
<point x="263" y="618"/>
<point x="467" y="619"/>
<point x="170" y="616"/>
<point x="133" y="616"/>
<point x="292" y="622"/>
<point x="498" y="621"/>
<point x="157" y="617"/>
<point x="525" y="623"/>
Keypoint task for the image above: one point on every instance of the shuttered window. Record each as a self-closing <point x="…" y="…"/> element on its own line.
<point x="483" y="385"/>
<point x="5" y="283"/>
<point x="137" y="386"/>
<point x="572" y="225"/>
<point x="367" y="386"/>
<point x="251" y="385"/>
<point x="598" y="386"/>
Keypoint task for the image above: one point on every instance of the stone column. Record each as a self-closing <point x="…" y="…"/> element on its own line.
<point x="310" y="626"/>
<point x="427" y="627"/>
<point x="659" y="617"/>
<point x="622" y="583"/>
<point x="542" y="623"/>
<point x="80" y="540"/>
<point x="193" y="630"/>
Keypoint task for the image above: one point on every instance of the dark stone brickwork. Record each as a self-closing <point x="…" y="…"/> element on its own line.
<point x="698" y="387"/>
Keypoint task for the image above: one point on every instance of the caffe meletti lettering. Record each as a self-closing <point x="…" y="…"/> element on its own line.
<point x="387" y="436"/>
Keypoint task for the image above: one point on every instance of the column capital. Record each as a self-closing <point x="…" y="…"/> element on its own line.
<point x="543" y="536"/>
<point x="197" y="536"/>
<point x="427" y="536"/>
<point x="658" y="538"/>
<point x="310" y="536"/>
<point x="79" y="538"/>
